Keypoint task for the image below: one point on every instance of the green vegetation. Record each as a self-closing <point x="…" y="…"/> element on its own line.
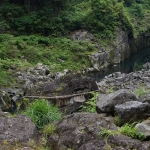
<point x="42" y="112"/>
<point x="107" y="133"/>
<point x="131" y="131"/>
<point x="37" y="31"/>
<point x="141" y="91"/>
<point x="18" y="53"/>
<point x="127" y="129"/>
<point x="48" y="129"/>
<point x="117" y="120"/>
<point x="90" y="105"/>
<point x="137" y="66"/>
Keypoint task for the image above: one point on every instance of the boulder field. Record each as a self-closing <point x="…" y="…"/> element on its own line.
<point x="120" y="95"/>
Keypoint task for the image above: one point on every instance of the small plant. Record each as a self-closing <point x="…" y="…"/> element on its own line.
<point x="49" y="129"/>
<point x="141" y="91"/>
<point x="117" y="120"/>
<point x="42" y="112"/>
<point x="110" y="90"/>
<point x="107" y="133"/>
<point x="90" y="104"/>
<point x="130" y="130"/>
<point x="127" y="129"/>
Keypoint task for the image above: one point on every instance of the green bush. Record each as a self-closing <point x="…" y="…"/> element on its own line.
<point x="130" y="130"/>
<point x="42" y="112"/>
<point x="127" y="129"/>
<point x="137" y="10"/>
<point x="90" y="105"/>
<point x="137" y="66"/>
<point x="141" y="91"/>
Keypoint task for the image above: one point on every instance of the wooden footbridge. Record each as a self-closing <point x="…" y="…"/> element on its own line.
<point x="64" y="99"/>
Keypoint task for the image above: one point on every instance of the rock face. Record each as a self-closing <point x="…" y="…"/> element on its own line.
<point x="106" y="102"/>
<point x="100" y="60"/>
<point x="80" y="131"/>
<point x="19" y="128"/>
<point x="71" y="84"/>
<point x="120" y="48"/>
<point x="82" y="35"/>
<point x="132" y="111"/>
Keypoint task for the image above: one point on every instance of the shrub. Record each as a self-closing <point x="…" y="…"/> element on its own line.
<point x="127" y="129"/>
<point x="90" y="105"/>
<point x="49" y="129"/>
<point x="42" y="112"/>
<point x="130" y="130"/>
<point x="106" y="133"/>
<point x="137" y="66"/>
<point x="141" y="91"/>
<point x="117" y="120"/>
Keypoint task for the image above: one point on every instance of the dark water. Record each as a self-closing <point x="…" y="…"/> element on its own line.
<point x="133" y="63"/>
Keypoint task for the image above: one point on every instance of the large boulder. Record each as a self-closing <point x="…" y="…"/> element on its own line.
<point x="80" y="131"/>
<point x="107" y="102"/>
<point x="69" y="84"/>
<point x="123" y="142"/>
<point x="19" y="128"/>
<point x="132" y="111"/>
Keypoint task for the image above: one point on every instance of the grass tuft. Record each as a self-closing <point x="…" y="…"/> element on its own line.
<point x="42" y="112"/>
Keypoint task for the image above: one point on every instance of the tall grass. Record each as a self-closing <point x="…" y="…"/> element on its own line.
<point x="42" y="112"/>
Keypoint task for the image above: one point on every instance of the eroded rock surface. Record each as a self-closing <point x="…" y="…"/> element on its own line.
<point x="19" y="128"/>
<point x="80" y="131"/>
<point x="106" y="102"/>
<point x="132" y="111"/>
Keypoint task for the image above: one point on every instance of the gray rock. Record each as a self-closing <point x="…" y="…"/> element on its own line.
<point x="19" y="128"/>
<point x="100" y="60"/>
<point x="132" y="111"/>
<point x="79" y="131"/>
<point x="146" y="66"/>
<point x="144" y="127"/>
<point x="127" y="143"/>
<point x="106" y="103"/>
<point x="117" y="74"/>
<point x="82" y="35"/>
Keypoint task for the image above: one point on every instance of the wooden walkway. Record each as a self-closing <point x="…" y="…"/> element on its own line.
<point x="61" y="100"/>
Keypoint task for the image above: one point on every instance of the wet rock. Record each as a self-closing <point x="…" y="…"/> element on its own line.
<point x="132" y="111"/>
<point x="144" y="127"/>
<point x="106" y="102"/>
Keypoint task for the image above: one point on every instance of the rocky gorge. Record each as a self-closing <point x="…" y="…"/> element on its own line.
<point x="123" y="95"/>
<point x="120" y="48"/>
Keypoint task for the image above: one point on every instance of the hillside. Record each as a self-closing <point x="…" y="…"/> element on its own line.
<point x="39" y="31"/>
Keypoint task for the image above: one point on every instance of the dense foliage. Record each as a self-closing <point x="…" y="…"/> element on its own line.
<point x="36" y="31"/>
